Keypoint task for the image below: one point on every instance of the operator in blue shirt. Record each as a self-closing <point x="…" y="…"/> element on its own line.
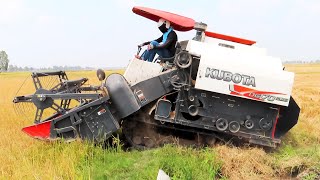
<point x="164" y="46"/>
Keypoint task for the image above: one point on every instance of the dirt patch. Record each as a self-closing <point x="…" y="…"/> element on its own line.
<point x="309" y="174"/>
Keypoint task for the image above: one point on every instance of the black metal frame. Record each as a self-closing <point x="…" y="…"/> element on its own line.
<point x="65" y="91"/>
<point x="213" y="106"/>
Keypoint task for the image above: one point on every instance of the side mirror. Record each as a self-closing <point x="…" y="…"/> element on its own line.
<point x="101" y="74"/>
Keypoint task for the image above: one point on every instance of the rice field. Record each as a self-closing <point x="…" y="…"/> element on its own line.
<point x="22" y="157"/>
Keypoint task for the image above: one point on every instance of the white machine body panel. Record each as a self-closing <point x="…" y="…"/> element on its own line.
<point x="238" y="47"/>
<point x="237" y="72"/>
<point x="139" y="70"/>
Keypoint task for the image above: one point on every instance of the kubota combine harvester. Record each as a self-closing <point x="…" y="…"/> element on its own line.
<point x="215" y="87"/>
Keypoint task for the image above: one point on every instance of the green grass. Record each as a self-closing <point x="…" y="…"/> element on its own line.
<point x="177" y="162"/>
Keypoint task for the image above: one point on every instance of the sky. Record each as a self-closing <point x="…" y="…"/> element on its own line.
<point x="105" y="33"/>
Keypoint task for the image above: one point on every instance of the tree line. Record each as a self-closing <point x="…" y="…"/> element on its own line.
<point x="301" y="62"/>
<point x="14" y="68"/>
<point x="4" y="61"/>
<point x="5" y="67"/>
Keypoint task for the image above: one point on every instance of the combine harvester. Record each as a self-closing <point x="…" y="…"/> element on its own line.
<point x="215" y="87"/>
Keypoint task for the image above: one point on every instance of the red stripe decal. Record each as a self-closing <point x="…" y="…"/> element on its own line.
<point x="229" y="38"/>
<point x="247" y="92"/>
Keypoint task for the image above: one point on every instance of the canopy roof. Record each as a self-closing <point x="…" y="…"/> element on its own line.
<point x="179" y="23"/>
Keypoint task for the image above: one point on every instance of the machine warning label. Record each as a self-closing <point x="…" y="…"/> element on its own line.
<point x="102" y="111"/>
<point x="229" y="76"/>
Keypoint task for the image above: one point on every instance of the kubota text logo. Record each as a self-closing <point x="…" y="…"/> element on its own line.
<point x="229" y="76"/>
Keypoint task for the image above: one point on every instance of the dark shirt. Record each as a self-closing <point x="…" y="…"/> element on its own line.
<point x="169" y="44"/>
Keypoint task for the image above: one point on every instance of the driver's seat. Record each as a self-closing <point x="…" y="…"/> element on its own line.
<point x="164" y="60"/>
<point x="169" y="60"/>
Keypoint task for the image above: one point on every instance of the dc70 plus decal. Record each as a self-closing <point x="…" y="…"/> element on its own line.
<point x="255" y="94"/>
<point x="267" y="97"/>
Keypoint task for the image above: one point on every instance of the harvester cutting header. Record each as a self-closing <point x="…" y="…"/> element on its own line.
<point x="211" y="87"/>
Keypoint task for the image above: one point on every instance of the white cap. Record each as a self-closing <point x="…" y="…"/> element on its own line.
<point x="162" y="21"/>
